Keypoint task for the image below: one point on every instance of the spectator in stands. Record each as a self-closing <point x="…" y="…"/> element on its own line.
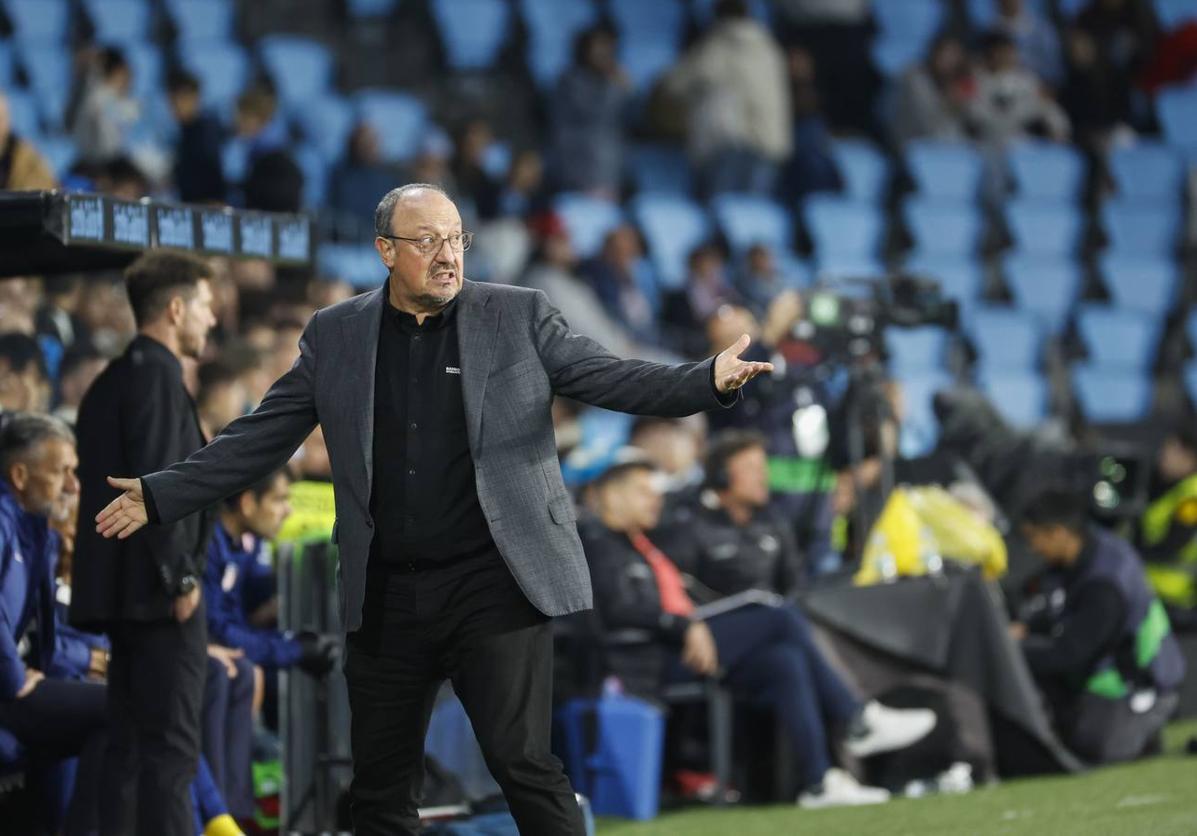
<point x="674" y="446"/>
<point x="1011" y="102"/>
<point x="51" y="713"/>
<point x="1035" y="38"/>
<point x="122" y="177"/>
<point x="221" y="396"/>
<point x="624" y="281"/>
<point x="81" y="365"/>
<point x="708" y="286"/>
<point x="57" y="317"/>
<point x="359" y="178"/>
<point x="735" y="85"/>
<point x="21" y="166"/>
<point x="1094" y="634"/>
<point x="932" y="98"/>
<point x="1122" y="34"/>
<point x="20" y="297"/>
<point x="468" y="166"/>
<point x="811" y="167"/>
<point x="761" y="279"/>
<point x="198" y="170"/>
<point x="523" y="192"/>
<point x="589" y="116"/>
<point x="730" y="540"/>
<point x="105" y="314"/>
<point x="273" y="181"/>
<point x="23" y="383"/>
<point x="145" y="591"/>
<point x="239" y="559"/>
<point x="1095" y="100"/>
<point x="431" y="163"/>
<point x="762" y="653"/>
<point x="108" y="109"/>
<point x="1167" y="536"/>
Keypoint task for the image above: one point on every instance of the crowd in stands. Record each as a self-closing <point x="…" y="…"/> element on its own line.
<point x="672" y="174"/>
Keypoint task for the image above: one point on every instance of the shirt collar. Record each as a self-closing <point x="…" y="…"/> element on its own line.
<point x="407" y="322"/>
<point x="152" y="346"/>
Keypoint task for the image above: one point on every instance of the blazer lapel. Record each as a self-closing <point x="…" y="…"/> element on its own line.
<point x="477" y="328"/>
<point x="356" y="361"/>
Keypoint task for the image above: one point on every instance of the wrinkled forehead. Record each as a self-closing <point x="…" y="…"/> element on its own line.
<point x="426" y="211"/>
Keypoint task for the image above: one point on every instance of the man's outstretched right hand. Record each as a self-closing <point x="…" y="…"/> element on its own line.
<point x="125" y="514"/>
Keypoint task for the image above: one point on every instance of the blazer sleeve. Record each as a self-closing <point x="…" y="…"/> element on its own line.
<point x="580" y="368"/>
<point x="248" y="449"/>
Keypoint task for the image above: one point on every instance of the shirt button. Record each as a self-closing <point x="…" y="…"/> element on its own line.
<point x="411" y="471"/>
<point x="414" y="425"/>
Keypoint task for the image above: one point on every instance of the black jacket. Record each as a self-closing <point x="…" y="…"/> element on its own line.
<point x="637" y="636"/>
<point x="136" y="418"/>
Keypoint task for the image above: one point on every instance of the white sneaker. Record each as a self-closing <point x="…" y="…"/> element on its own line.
<point x="886" y="729"/>
<point x="839" y="789"/>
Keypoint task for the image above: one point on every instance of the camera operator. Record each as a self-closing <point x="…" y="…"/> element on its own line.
<point x="1094" y="635"/>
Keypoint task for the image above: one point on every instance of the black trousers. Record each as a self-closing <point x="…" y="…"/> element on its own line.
<point x="155" y="695"/>
<point x="58" y="720"/>
<point x="468" y="622"/>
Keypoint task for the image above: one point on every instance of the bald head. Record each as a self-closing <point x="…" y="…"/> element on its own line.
<point x="420" y="242"/>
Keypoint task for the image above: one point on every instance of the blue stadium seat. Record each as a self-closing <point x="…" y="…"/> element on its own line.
<point x="748" y="219"/>
<point x="1177" y="111"/>
<point x="221" y="67"/>
<point x="361" y="9"/>
<point x="400" y="119"/>
<point x="672" y="225"/>
<point x="983" y="13"/>
<point x="945" y="169"/>
<point x="863" y="168"/>
<point x="39" y="21"/>
<point x="472" y="31"/>
<point x="59" y="151"/>
<point x="7" y="66"/>
<point x="202" y="20"/>
<point x="1191" y="330"/>
<point x="1110" y="396"/>
<point x="943" y="227"/>
<point x="1006" y="339"/>
<point x="1119" y="339"/>
<point x="1020" y="397"/>
<point x="703" y="11"/>
<point x="841" y="226"/>
<point x="1046" y="287"/>
<point x="588" y="220"/>
<point x="1189" y="379"/>
<point x="659" y="168"/>
<point x="145" y="59"/>
<point x="663" y="21"/>
<point x="1148" y="172"/>
<point x="22" y="112"/>
<point x="326" y="121"/>
<point x="838" y="266"/>
<point x="645" y="60"/>
<point x="48" y="67"/>
<point x="1047" y="171"/>
<point x="357" y="264"/>
<point x="300" y="67"/>
<point x="1151" y="229"/>
<point x="1045" y="229"/>
<point x="960" y="278"/>
<point x="920" y="427"/>
<point x="916" y="349"/>
<point x="1143" y="283"/>
<point x="893" y="55"/>
<point x="1174" y="13"/>
<point x="916" y="20"/>
<point x="119" y="21"/>
<point x="552" y="26"/>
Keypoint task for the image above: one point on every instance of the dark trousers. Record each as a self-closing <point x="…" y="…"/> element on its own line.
<point x="59" y="720"/>
<point x="155" y="695"/>
<point x="228" y="723"/>
<point x="467" y="622"/>
<point x="768" y="656"/>
<point x="1103" y="730"/>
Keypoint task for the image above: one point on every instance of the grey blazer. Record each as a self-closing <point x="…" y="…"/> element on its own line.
<point x="516" y="353"/>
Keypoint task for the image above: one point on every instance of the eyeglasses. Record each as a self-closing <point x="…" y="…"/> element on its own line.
<point x="429" y="244"/>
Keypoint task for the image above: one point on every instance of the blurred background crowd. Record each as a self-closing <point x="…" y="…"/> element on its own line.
<point x="961" y="230"/>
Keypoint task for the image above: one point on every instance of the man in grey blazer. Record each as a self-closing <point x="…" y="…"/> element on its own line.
<point x="456" y="535"/>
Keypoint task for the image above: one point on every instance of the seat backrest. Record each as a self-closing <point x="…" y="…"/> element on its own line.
<point x="1117" y="338"/>
<point x="1141" y="229"/>
<point x="1006" y="339"/>
<point x="1020" y="397"/>
<point x="400" y="119"/>
<point x="1111" y="396"/>
<point x="119" y="21"/>
<point x="1045" y="229"/>
<point x="588" y="220"/>
<point x="39" y="21"/>
<point x="1147" y="172"/>
<point x="749" y="219"/>
<point x="472" y="31"/>
<point x="222" y="68"/>
<point x="916" y="349"/>
<point x="864" y="169"/>
<point x="1046" y="287"/>
<point x="1177" y="110"/>
<point x="943" y="227"/>
<point x="301" y="68"/>
<point x="945" y="169"/>
<point x="1144" y="283"/>
<point x="672" y="226"/>
<point x="202" y="20"/>
<point x="1047" y="170"/>
<point x="843" y="226"/>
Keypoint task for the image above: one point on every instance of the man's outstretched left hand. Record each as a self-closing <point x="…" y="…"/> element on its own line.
<point x="731" y="372"/>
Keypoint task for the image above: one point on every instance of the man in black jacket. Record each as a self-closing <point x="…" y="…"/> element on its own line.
<point x="144" y="591"/>
<point x="762" y="653"/>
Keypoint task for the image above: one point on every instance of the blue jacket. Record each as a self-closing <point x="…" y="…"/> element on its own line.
<point x="228" y="576"/>
<point x="28" y="554"/>
<point x="72" y="646"/>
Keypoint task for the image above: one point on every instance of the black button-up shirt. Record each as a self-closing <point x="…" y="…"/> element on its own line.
<point x="424" y="499"/>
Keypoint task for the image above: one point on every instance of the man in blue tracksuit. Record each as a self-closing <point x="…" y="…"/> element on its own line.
<point x="50" y="714"/>
<point x="239" y="571"/>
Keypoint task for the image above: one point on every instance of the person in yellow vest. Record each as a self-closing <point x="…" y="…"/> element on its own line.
<point x="1167" y="535"/>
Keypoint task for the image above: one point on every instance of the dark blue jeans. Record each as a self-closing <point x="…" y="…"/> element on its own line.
<point x="768" y="657"/>
<point x="228" y="732"/>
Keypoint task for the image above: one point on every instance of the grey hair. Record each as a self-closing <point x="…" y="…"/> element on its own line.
<point x="24" y="431"/>
<point x="385" y="212"/>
